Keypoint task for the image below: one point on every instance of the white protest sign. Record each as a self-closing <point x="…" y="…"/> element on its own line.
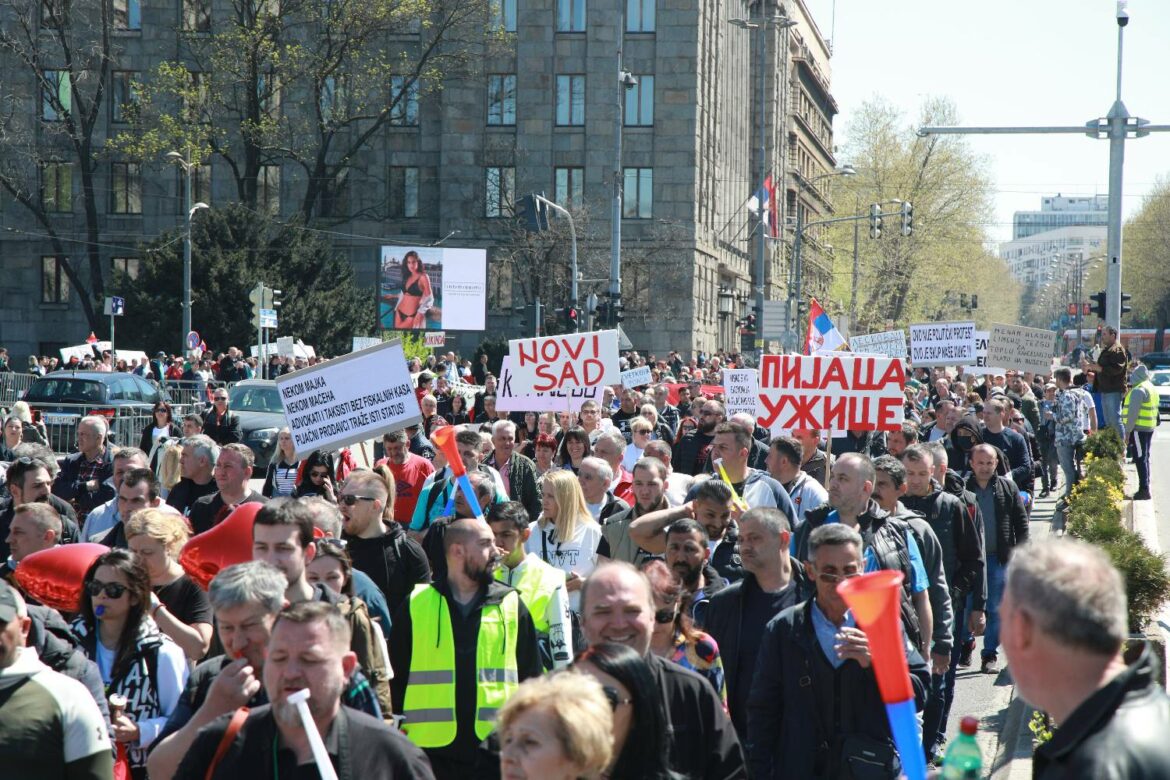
<point x="466" y="391"/>
<point x="363" y="342"/>
<point x="891" y="343"/>
<point x="981" y="365"/>
<point x="571" y="360"/>
<point x="942" y="343"/>
<point x="349" y="399"/>
<point x="741" y="387"/>
<point x="636" y="377"/>
<point x="802" y="392"/>
<point x="509" y="399"/>
<point x="286" y="346"/>
<point x="435" y="338"/>
<point x="1021" y="348"/>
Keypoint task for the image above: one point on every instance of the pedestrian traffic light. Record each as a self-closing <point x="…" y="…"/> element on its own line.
<point x="907" y="217"/>
<point x="1099" y="299"/>
<point x="570" y="317"/>
<point x="1125" y="298"/>
<point x="875" y="221"/>
<point x="533" y="214"/>
<point x="616" y="317"/>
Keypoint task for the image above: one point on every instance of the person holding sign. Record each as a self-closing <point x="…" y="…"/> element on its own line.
<point x="416" y="296"/>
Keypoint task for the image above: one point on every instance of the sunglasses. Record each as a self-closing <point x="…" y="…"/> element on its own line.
<point x="615" y="699"/>
<point x="330" y="543"/>
<point x="113" y="590"/>
<point x="664" y="616"/>
<point x="831" y="579"/>
<point x="350" y="499"/>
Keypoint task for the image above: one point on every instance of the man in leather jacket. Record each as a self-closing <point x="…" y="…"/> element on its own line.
<point x="1064" y="626"/>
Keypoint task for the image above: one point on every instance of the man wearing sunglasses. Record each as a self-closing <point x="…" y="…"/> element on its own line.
<point x="693" y="453"/>
<point x="814" y="704"/>
<point x="219" y="422"/>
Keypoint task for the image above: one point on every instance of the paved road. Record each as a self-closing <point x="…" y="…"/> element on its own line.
<point x="1160" y="482"/>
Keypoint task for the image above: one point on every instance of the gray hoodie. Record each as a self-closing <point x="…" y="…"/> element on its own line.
<point x="1138" y="396"/>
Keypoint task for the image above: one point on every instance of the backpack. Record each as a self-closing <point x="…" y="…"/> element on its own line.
<point x="364" y="645"/>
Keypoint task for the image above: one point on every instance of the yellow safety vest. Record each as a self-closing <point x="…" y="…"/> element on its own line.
<point x="429" y="707"/>
<point x="1148" y="414"/>
<point x="537" y="585"/>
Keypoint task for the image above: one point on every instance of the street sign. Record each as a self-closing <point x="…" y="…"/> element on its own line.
<point x="268" y="318"/>
<point x="115" y="307"/>
<point x="775" y="321"/>
<point x="193" y="340"/>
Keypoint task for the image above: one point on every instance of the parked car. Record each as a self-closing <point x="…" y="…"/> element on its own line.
<point x="257" y="403"/>
<point x="1155" y="360"/>
<point x="62" y="398"/>
<point x="1161" y="380"/>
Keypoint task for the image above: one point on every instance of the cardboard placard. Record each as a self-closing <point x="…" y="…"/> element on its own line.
<point x="891" y="343"/>
<point x="352" y="398"/>
<point x="364" y="342"/>
<point x="435" y="339"/>
<point x="509" y="399"/>
<point x="1021" y="348"/>
<point x="637" y="377"/>
<point x="741" y="389"/>
<point x="838" y="393"/>
<point x="564" y="362"/>
<point x="942" y="343"/>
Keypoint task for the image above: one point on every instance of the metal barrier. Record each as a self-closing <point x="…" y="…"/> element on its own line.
<point x="13" y="386"/>
<point x="125" y="428"/>
<point x="187" y="393"/>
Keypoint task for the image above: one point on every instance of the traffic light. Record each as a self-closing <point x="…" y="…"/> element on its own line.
<point x="974" y="300"/>
<point x="875" y="221"/>
<point x="1099" y="299"/>
<point x="1125" y="309"/>
<point x="616" y="317"/>
<point x="572" y="319"/>
<point x="256" y="296"/>
<point x="533" y="214"/>
<point x="907" y="217"/>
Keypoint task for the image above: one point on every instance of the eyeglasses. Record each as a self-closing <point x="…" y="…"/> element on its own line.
<point x="113" y="590"/>
<point x="330" y="543"/>
<point x="1017" y="419"/>
<point x="664" y="616"/>
<point x="832" y="579"/>
<point x="349" y="499"/>
<point x="615" y="698"/>
<point x="221" y="398"/>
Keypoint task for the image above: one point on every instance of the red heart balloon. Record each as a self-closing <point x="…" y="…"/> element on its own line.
<point x="54" y="576"/>
<point x="226" y="544"/>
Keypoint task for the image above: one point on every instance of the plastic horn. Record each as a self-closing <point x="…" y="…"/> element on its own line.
<point x="300" y="699"/>
<point x="444" y="439"/>
<point x="874" y="601"/>
<point x="735" y="497"/>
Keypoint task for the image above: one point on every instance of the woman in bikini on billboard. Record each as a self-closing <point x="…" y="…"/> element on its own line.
<point x="409" y="313"/>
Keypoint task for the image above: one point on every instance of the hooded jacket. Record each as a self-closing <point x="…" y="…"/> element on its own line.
<point x="395" y="562"/>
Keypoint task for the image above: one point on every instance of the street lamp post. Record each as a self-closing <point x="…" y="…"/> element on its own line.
<point x="188" y="212"/>
<point x="797" y="291"/>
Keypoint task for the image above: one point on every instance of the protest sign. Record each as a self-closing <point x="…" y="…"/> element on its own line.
<point x="466" y="391"/>
<point x="636" y="377"/>
<point x="981" y="365"/>
<point x="436" y="339"/>
<point x="564" y="362"/>
<point x="942" y="343"/>
<point x="510" y="399"/>
<point x="364" y="342"/>
<point x="1021" y="348"/>
<point x="891" y="343"/>
<point x="349" y="399"/>
<point x="286" y="346"/>
<point x="741" y="387"/>
<point x="838" y="393"/>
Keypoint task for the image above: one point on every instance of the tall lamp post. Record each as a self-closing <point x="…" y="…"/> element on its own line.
<point x="783" y="22"/>
<point x="188" y="212"/>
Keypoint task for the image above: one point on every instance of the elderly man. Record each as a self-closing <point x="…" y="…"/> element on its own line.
<point x="83" y="474"/>
<point x="197" y="469"/>
<point x="233" y="469"/>
<point x="617" y="605"/>
<point x="308" y="649"/>
<point x="246" y="599"/>
<point x="99" y="522"/>
<point x="1064" y="629"/>
<point x="610" y="446"/>
<point x="517" y="471"/>
<point x="595" y="477"/>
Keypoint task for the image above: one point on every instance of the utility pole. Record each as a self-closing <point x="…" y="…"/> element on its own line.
<point x="856" y="269"/>
<point x="626" y="81"/>
<point x="1116" y="126"/>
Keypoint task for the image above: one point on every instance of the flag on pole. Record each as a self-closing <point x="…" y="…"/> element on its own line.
<point x="823" y="335"/>
<point x="765" y="206"/>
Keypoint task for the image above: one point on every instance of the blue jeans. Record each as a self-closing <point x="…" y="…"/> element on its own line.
<point x="1111" y="411"/>
<point x="995" y="580"/>
<point x="942" y="686"/>
<point x="1066" y="454"/>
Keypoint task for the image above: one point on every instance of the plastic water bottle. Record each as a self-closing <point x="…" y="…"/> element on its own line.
<point x="963" y="760"/>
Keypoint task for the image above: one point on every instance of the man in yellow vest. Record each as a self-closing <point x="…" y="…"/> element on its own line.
<point x="541" y="587"/>
<point x="1139" y="417"/>
<point x="460" y="646"/>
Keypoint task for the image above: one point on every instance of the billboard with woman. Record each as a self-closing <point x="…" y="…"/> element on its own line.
<point x="432" y="288"/>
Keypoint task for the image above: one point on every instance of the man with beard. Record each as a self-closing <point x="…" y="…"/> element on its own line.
<point x="29" y="483"/>
<point x="308" y="649"/>
<point x="711" y="506"/>
<point x="197" y="466"/>
<point x="693" y="453"/>
<point x="688" y="553"/>
<point x="460" y="646"/>
<point x="649" y="496"/>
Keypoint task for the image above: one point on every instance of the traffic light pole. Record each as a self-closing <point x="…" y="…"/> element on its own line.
<point x="573" y="252"/>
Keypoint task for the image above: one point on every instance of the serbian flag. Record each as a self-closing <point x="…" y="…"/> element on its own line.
<point x="823" y="335"/>
<point x="765" y="205"/>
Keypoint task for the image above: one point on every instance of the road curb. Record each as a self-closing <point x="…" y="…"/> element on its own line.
<point x="1013" y="756"/>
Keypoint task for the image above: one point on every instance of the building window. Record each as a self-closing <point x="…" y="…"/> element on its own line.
<point x="57" y="187"/>
<point x="640" y="103"/>
<point x="500" y="184"/>
<point x="570" y="187"/>
<point x="268" y="190"/>
<point x="501" y="99"/>
<point x="332" y="99"/>
<point x="503" y="15"/>
<point x="638" y="193"/>
<point x="127" y="14"/>
<point x="197" y="16"/>
<point x="125" y="188"/>
<point x="56" y="96"/>
<point x="267" y="92"/>
<point x="335" y="195"/>
<point x="405" y="110"/>
<point x="123" y="96"/>
<point x="640" y="16"/>
<point x="402" y="199"/>
<point x="129" y="267"/>
<point x="570" y="100"/>
<point x="570" y="15"/>
<point x="54" y="282"/>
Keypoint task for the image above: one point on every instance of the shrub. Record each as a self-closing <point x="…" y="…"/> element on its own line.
<point x="1146" y="584"/>
<point x="1105" y="443"/>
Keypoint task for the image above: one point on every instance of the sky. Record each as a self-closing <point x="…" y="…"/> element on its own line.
<point x="1013" y="62"/>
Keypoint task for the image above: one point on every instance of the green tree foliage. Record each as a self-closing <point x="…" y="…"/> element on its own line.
<point x="904" y="279"/>
<point x="233" y="248"/>
<point x="1145" y="243"/>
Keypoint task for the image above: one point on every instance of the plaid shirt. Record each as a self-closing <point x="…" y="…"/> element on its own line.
<point x="90" y="469"/>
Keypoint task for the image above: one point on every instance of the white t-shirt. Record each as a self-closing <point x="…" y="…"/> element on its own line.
<point x="578" y="555"/>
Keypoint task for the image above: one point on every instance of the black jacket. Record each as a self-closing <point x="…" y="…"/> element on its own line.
<point x="70" y="532"/>
<point x="686" y="458"/>
<point x="960" y="532"/>
<point x="68" y="485"/>
<point x="1011" y="521"/>
<point x="146" y="442"/>
<point x="394" y="561"/>
<point x="222" y="432"/>
<point x="522" y="482"/>
<point x="1118" y="732"/>
<point x="58" y="648"/>
<point x="465" y="628"/>
<point x="800" y="707"/>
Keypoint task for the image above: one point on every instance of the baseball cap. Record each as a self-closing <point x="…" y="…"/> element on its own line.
<point x="7" y="603"/>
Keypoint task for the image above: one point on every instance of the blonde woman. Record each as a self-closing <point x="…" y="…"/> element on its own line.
<point x="641" y="430"/>
<point x="556" y="728"/>
<point x="179" y="607"/>
<point x="169" y="471"/>
<point x="565" y="535"/>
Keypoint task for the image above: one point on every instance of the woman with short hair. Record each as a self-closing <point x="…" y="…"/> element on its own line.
<point x="556" y="728"/>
